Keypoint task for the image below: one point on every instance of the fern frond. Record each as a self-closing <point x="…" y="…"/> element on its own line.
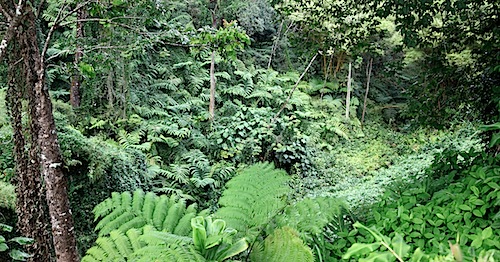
<point x="125" y="211"/>
<point x="254" y="197"/>
<point x="283" y="244"/>
<point x="309" y="216"/>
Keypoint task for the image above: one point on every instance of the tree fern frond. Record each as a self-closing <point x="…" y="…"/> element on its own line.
<point x="160" y="212"/>
<point x="255" y="196"/>
<point x="183" y="228"/>
<point x="309" y="216"/>
<point x="125" y="211"/>
<point x="138" y="201"/>
<point x="283" y="244"/>
<point x="149" y="206"/>
<point x="175" y="213"/>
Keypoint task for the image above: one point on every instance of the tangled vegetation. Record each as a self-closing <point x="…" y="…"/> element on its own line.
<point x="261" y="130"/>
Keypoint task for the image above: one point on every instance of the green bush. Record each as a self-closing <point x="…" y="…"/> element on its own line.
<point x="462" y="204"/>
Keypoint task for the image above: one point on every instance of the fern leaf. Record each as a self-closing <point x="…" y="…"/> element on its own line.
<point x="122" y="243"/>
<point x="254" y="197"/>
<point x="136" y="222"/>
<point x="283" y="244"/>
<point x="184" y="228"/>
<point x="115" y="223"/>
<point x="138" y="201"/>
<point x="160" y="212"/>
<point x="133" y="235"/>
<point x="175" y="213"/>
<point x="149" y="206"/>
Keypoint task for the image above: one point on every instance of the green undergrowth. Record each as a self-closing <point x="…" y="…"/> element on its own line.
<point x="456" y="205"/>
<point x="359" y="170"/>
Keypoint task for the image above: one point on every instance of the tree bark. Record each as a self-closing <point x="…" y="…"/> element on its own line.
<point x="45" y="155"/>
<point x="211" y="106"/>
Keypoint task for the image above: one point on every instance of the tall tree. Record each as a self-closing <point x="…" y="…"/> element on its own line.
<point x="44" y="160"/>
<point x="75" y="97"/>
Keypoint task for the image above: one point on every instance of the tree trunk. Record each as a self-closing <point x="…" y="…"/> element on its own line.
<point x="348" y="96"/>
<point x="74" y="96"/>
<point x="44" y="154"/>
<point x="211" y="107"/>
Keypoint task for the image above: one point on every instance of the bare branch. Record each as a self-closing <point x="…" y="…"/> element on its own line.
<point x="105" y="20"/>
<point x="295" y="87"/>
<point x="49" y="35"/>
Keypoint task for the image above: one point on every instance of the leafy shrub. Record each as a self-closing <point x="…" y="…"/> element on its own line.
<point x="15" y="253"/>
<point x="146" y="227"/>
<point x="7" y="196"/>
<point x="467" y="206"/>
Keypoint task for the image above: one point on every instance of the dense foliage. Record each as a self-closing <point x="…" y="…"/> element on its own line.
<point x="295" y="163"/>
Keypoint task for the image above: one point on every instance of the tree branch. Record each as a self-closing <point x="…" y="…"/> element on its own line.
<point x="57" y="23"/>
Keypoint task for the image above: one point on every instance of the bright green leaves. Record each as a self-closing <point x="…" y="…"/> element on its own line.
<point x="227" y="40"/>
<point x="283" y="244"/>
<point x="15" y="243"/>
<point x="390" y="249"/>
<point x="214" y="241"/>
<point x="466" y="209"/>
<point x="340" y="25"/>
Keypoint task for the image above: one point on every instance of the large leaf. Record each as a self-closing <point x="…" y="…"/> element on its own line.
<point x="358" y="249"/>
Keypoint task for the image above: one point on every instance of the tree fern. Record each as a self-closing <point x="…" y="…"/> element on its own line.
<point x="125" y="211"/>
<point x="253" y="198"/>
<point x="144" y="244"/>
<point x="284" y="244"/>
<point x="310" y="215"/>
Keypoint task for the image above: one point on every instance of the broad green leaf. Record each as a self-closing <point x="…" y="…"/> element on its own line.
<point x="494" y="185"/>
<point x="399" y="245"/>
<point x="19" y="255"/>
<point x="495" y="139"/>
<point x="477" y="213"/>
<point x="418" y="255"/>
<point x="487" y="233"/>
<point x="475" y="190"/>
<point x="199" y="232"/>
<point x="418" y="221"/>
<point x="3" y="247"/>
<point x="375" y="233"/>
<point x="465" y="207"/>
<point x="378" y="257"/>
<point x="358" y="249"/>
<point x="6" y="228"/>
<point x="477" y="243"/>
<point x="23" y="240"/>
<point x="236" y="248"/>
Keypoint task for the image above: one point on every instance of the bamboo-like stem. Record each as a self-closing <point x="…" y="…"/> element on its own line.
<point x="348" y="96"/>
<point x="293" y="89"/>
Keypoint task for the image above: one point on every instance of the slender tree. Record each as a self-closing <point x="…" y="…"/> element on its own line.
<point x="75" y="99"/>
